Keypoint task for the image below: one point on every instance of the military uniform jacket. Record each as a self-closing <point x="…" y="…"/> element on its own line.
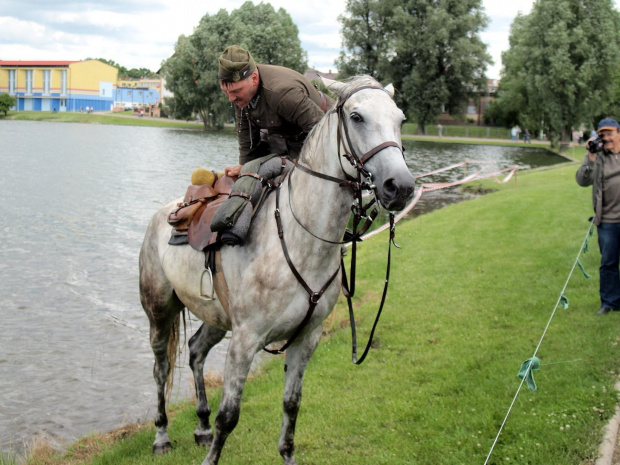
<point x="286" y="107"/>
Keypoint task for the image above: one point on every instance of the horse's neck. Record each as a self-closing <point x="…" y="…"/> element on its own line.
<point x="323" y="204"/>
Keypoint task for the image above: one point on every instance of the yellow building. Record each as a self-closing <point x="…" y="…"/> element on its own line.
<point x="59" y="85"/>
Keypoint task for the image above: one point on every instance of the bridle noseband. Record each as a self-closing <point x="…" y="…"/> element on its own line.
<point x="360" y="211"/>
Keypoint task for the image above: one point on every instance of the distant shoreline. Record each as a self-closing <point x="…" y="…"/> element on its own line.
<point x="574" y="153"/>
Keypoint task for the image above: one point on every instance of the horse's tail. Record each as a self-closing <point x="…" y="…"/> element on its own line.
<point x="173" y="351"/>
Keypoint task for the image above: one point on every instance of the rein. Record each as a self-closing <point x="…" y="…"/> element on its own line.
<point x="359" y="213"/>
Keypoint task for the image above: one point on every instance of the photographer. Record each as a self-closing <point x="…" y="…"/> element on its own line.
<point x="601" y="170"/>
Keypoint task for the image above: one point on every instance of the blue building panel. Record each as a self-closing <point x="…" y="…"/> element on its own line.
<point x="79" y="103"/>
<point x="37" y="102"/>
<point x="135" y="96"/>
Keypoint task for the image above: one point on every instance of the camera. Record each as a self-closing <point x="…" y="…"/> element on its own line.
<point x="595" y="145"/>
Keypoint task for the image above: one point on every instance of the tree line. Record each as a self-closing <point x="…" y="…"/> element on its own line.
<point x="429" y="49"/>
<point x="561" y="71"/>
<point x="133" y="73"/>
<point x="191" y="72"/>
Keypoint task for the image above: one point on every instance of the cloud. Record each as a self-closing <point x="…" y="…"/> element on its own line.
<point x="499" y="9"/>
<point x="496" y="42"/>
<point x="142" y="33"/>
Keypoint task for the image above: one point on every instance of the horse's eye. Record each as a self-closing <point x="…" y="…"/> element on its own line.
<point x="356" y="118"/>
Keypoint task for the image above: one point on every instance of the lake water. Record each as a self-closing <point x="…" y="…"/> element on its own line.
<point x="74" y="204"/>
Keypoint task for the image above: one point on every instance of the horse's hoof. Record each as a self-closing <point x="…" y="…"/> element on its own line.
<point x="203" y="439"/>
<point x="161" y="449"/>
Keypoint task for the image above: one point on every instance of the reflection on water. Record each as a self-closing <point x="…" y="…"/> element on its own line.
<point x="75" y="201"/>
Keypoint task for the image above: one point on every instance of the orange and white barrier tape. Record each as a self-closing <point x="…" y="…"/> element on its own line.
<point x="484" y="173"/>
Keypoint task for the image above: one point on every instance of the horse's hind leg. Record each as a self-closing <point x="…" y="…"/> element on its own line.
<point x="162" y="307"/>
<point x="199" y="346"/>
<point x="297" y="357"/>
<point x="164" y="324"/>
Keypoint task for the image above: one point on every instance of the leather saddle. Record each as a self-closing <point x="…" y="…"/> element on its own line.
<point x="192" y="219"/>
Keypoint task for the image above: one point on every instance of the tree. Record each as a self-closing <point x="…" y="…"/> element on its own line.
<point x="430" y="49"/>
<point x="613" y="107"/>
<point x="439" y="60"/>
<point x="191" y="72"/>
<point x="561" y="64"/>
<point x="366" y="38"/>
<point x="271" y="36"/>
<point x="6" y="102"/>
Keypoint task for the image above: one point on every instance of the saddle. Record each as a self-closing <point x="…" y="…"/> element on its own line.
<point x="199" y="221"/>
<point x="191" y="221"/>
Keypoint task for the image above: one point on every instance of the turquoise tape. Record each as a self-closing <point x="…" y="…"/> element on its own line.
<point x="526" y="371"/>
<point x="583" y="270"/>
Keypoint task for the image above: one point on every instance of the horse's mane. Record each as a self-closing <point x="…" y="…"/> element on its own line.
<point x="354" y="82"/>
<point x="350" y="84"/>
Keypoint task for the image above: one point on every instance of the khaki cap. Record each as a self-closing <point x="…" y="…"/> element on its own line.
<point x="235" y="64"/>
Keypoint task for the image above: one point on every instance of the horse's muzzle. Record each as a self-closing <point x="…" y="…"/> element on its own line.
<point x="396" y="192"/>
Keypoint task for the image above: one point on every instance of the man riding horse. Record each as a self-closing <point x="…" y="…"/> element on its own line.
<point x="275" y="109"/>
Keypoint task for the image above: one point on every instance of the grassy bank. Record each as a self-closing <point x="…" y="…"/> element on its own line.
<point x="483" y="132"/>
<point x="108" y="118"/>
<point x="471" y="292"/>
<point x="456" y="134"/>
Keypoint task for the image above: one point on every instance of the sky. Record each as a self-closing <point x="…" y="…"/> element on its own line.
<point x="142" y="33"/>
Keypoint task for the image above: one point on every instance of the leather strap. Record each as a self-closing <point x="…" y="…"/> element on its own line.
<point x="240" y="194"/>
<point x="314" y="297"/>
<point x="323" y="102"/>
<point x="349" y="294"/>
<point x="368" y="155"/>
<point x="220" y="284"/>
<point x="252" y="175"/>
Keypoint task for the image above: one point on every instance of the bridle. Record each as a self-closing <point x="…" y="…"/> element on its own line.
<point x="357" y="185"/>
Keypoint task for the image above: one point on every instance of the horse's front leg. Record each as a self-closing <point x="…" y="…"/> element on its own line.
<point x="243" y="345"/>
<point x="297" y="357"/>
<point x="199" y="346"/>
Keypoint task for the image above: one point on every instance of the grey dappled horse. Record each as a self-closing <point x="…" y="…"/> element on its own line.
<point x="267" y="302"/>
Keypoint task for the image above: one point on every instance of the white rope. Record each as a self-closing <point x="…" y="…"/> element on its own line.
<point x="430" y="187"/>
<point x="540" y="342"/>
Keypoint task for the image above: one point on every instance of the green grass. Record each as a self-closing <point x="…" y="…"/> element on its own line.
<point x="484" y="132"/>
<point x="471" y="292"/>
<point x="453" y="133"/>
<point x="129" y="119"/>
<point x="8" y="459"/>
<point x="108" y="118"/>
<point x="463" y="140"/>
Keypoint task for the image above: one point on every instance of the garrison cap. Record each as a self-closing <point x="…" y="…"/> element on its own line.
<point x="235" y="64"/>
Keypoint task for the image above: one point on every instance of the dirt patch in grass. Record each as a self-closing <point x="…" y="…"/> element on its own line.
<point x="83" y="451"/>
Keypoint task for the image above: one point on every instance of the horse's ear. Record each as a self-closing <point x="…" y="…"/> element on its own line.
<point x="390" y="90"/>
<point x="334" y="86"/>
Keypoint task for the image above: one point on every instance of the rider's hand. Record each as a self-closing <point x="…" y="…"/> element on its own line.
<point x="232" y="170"/>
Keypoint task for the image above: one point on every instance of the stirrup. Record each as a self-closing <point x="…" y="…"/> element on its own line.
<point x="208" y="272"/>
